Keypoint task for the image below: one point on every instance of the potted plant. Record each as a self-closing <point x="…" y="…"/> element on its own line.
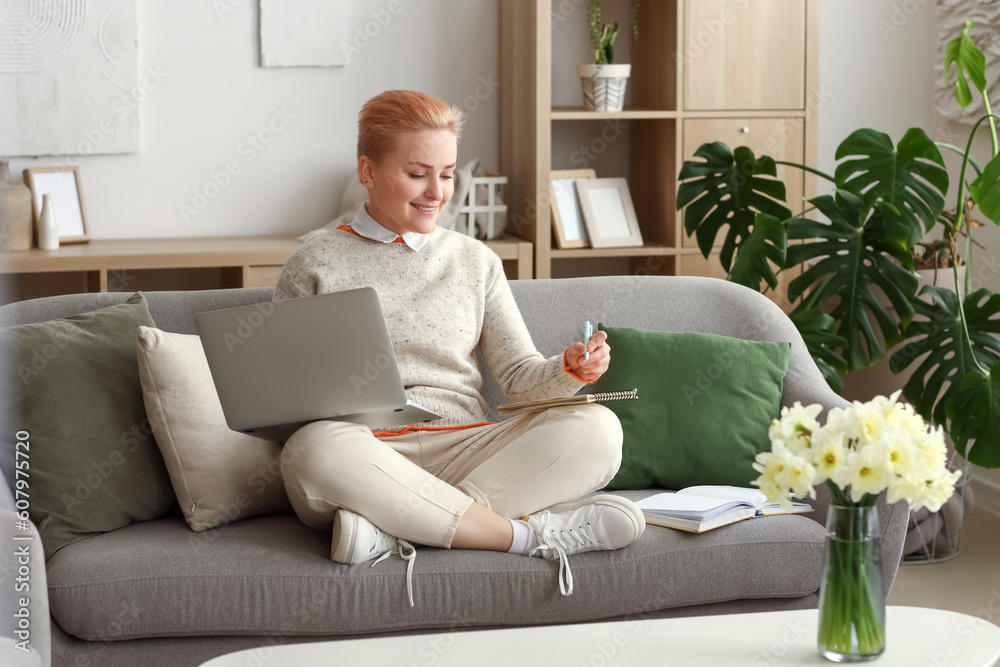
<point x="857" y="295"/>
<point x="604" y="82"/>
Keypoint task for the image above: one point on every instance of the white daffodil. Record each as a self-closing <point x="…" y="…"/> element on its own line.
<point x="904" y="455"/>
<point x="871" y="423"/>
<point x="828" y="457"/>
<point x="863" y="449"/>
<point x="932" y="450"/>
<point x="940" y="489"/>
<point x="906" y="487"/>
<point x="796" y="425"/>
<point x="867" y="471"/>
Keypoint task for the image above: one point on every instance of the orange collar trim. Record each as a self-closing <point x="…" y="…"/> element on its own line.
<point x="398" y="239"/>
<point x="408" y="429"/>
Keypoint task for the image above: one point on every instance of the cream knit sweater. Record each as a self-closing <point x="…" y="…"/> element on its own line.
<point x="439" y="304"/>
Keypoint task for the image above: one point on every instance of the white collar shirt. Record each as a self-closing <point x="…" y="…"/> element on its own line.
<point x="365" y="225"/>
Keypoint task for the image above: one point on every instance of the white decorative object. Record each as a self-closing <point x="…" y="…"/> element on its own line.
<point x="604" y="86"/>
<point x="306" y="33"/>
<point x="952" y="15"/>
<point x="48" y="228"/>
<point x="69" y="77"/>
<point x="491" y="216"/>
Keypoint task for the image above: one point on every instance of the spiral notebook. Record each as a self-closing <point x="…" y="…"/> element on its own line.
<point x="578" y="399"/>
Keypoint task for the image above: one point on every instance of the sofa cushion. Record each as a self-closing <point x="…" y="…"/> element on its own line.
<point x="218" y="474"/>
<point x="272" y="575"/>
<point x="72" y="385"/>
<point x="705" y="405"/>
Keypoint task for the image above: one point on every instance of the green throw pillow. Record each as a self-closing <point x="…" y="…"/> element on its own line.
<point x="72" y="393"/>
<point x="705" y="404"/>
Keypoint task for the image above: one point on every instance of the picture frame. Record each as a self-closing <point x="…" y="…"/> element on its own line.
<point x="567" y="217"/>
<point x="64" y="184"/>
<point x="608" y="213"/>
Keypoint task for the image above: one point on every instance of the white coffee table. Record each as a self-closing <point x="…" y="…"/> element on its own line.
<point x="916" y="637"/>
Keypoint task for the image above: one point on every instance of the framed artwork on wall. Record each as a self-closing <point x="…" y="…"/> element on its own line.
<point x="63" y="183"/>
<point x="567" y="217"/>
<point x="608" y="213"/>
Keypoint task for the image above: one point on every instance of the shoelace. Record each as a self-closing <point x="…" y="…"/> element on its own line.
<point x="557" y="543"/>
<point x="408" y="553"/>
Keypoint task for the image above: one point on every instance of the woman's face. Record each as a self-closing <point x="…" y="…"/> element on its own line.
<point x="409" y="187"/>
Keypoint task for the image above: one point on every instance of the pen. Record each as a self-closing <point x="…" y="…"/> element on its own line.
<point x="588" y="331"/>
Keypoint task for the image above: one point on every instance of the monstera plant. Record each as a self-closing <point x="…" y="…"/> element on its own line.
<point x="853" y="249"/>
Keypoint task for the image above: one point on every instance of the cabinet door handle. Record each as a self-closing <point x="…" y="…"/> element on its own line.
<point x="744" y="130"/>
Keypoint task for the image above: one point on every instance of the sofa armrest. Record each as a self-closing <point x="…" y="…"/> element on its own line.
<point x="25" y="634"/>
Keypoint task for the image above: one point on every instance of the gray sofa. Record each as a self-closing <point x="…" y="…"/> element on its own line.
<point x="156" y="593"/>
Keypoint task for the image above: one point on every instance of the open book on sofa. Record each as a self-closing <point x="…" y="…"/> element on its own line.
<point x="700" y="508"/>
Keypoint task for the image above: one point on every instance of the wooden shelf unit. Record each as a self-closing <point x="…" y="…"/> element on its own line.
<point x="751" y="82"/>
<point x="241" y="261"/>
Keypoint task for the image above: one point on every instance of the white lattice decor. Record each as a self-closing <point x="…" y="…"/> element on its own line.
<point x="483" y="213"/>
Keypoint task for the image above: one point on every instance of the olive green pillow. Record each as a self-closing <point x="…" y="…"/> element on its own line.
<point x="705" y="404"/>
<point x="72" y="392"/>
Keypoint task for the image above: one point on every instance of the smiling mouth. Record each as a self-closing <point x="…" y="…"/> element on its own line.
<point x="425" y="209"/>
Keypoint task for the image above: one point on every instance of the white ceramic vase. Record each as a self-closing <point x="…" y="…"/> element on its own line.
<point x="604" y="86"/>
<point x="48" y="228"/>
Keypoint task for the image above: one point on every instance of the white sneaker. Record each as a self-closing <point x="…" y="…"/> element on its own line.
<point x="358" y="540"/>
<point x="597" y="523"/>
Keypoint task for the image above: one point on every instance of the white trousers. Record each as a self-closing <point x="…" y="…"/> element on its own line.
<point x="408" y="485"/>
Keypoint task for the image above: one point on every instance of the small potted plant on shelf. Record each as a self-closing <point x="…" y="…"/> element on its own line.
<point x="857" y="296"/>
<point x="604" y="82"/>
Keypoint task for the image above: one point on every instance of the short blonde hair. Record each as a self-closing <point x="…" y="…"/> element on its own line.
<point x="395" y="112"/>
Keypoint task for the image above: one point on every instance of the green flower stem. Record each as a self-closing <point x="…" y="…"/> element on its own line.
<point x="851" y="619"/>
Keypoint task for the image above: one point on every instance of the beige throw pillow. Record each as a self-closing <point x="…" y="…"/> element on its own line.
<point x="219" y="475"/>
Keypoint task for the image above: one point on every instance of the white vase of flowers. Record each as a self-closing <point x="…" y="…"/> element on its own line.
<point x="860" y="452"/>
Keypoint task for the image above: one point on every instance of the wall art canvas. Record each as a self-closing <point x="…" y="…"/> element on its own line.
<point x="303" y="33"/>
<point x="68" y="77"/>
<point x="952" y="15"/>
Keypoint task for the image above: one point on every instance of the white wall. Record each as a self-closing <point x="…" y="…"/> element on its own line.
<point x="877" y="69"/>
<point x="210" y="95"/>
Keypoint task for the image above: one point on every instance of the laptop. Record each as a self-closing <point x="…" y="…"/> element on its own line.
<point x="279" y="366"/>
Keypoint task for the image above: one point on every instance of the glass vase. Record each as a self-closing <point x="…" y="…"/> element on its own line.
<point x="851" y="599"/>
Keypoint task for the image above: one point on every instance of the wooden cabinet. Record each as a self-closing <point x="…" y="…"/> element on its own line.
<point x="744" y="54"/>
<point x="739" y="71"/>
<point x="781" y="138"/>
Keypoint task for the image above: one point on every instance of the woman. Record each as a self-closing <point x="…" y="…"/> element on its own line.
<point x="461" y="482"/>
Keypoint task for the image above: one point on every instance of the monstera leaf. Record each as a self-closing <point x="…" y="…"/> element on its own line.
<point x="969" y="60"/>
<point x="939" y="335"/>
<point x="816" y="328"/>
<point x="909" y="180"/>
<point x="765" y="245"/>
<point x="727" y="188"/>
<point x="985" y="190"/>
<point x="975" y="418"/>
<point x="846" y="259"/>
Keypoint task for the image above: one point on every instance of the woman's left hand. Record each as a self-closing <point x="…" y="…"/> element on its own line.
<point x="594" y="367"/>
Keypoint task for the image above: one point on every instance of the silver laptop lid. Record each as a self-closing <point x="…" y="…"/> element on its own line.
<point x="299" y="360"/>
